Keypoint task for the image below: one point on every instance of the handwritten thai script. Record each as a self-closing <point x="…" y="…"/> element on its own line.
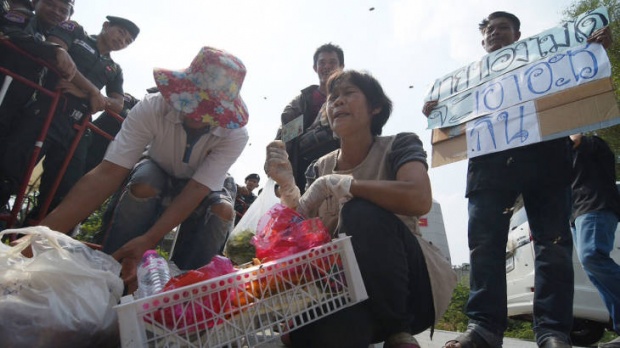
<point x="512" y="127"/>
<point x="575" y="66"/>
<point x="455" y="87"/>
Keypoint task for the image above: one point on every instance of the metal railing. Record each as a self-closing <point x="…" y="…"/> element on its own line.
<point x="11" y="77"/>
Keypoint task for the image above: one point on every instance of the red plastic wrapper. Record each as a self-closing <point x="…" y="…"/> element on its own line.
<point x="187" y="315"/>
<point x="282" y="231"/>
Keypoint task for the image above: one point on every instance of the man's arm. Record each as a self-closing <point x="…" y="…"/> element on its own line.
<point x="96" y="99"/>
<point x="114" y="102"/>
<point x="52" y="53"/>
<point x="86" y="196"/>
<point x="602" y="36"/>
<point x="291" y="111"/>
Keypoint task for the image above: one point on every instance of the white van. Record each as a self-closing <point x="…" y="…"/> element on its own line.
<point x="434" y="231"/>
<point x="590" y="314"/>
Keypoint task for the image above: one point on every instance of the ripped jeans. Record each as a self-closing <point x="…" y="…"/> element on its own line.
<point x="200" y="237"/>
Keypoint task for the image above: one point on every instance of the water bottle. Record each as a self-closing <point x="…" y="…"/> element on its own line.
<point x="153" y="274"/>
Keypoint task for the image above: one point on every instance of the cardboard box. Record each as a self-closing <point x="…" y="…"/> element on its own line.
<point x="579" y="109"/>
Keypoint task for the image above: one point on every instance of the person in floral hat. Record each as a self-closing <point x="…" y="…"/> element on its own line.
<point x="193" y="131"/>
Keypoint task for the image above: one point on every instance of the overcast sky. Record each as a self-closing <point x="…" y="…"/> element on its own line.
<point x="405" y="44"/>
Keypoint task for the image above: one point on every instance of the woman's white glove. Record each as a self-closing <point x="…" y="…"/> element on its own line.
<point x="278" y="167"/>
<point x="331" y="185"/>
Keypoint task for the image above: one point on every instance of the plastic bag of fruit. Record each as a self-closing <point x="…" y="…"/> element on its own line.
<point x="238" y="247"/>
<point x="283" y="232"/>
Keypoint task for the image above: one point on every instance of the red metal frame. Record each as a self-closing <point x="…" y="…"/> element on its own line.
<point x="11" y="218"/>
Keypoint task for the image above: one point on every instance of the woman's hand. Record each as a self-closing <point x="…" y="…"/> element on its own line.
<point x="336" y="185"/>
<point x="278" y="167"/>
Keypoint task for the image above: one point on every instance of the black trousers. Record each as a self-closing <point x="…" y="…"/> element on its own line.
<point x="396" y="279"/>
<point x="17" y="148"/>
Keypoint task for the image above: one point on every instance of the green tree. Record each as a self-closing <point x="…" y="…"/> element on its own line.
<point x="455" y="319"/>
<point x="90" y="229"/>
<point x="612" y="134"/>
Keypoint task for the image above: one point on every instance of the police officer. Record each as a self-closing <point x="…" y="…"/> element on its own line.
<point x="28" y="31"/>
<point x="91" y="55"/>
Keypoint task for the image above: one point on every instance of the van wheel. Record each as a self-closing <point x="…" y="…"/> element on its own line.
<point x="586" y="332"/>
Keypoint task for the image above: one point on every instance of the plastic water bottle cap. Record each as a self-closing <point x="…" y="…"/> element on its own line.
<point x="149" y="252"/>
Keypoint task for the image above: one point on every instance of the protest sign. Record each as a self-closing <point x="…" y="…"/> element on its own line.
<point x="538" y="97"/>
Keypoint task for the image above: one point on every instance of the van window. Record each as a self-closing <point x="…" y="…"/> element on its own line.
<point x="518" y="218"/>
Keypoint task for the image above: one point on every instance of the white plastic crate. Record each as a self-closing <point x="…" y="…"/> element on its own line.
<point x="248" y="307"/>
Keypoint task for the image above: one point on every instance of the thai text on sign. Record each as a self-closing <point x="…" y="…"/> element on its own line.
<point x="454" y="91"/>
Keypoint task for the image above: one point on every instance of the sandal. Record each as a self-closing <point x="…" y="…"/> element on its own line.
<point x="468" y="339"/>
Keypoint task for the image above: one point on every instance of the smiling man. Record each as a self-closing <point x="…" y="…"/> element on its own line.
<point x="92" y="58"/>
<point x="310" y="135"/>
<point x="28" y="31"/>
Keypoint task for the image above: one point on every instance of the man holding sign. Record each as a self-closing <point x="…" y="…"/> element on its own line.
<point x="541" y="174"/>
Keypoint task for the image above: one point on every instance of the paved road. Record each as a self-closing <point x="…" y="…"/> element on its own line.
<point x="439" y="338"/>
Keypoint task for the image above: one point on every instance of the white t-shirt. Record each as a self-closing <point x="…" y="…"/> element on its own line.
<point x="156" y="124"/>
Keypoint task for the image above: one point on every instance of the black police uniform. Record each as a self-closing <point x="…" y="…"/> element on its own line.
<point x="24" y="31"/>
<point x="100" y="70"/>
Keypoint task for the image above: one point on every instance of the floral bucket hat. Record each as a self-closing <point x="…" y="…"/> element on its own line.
<point x="207" y="91"/>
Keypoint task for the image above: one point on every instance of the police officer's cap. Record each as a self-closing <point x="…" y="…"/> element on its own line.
<point x="130" y="26"/>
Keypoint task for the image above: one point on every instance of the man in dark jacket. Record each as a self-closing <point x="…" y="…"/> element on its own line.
<point x="596" y="208"/>
<point x="306" y="134"/>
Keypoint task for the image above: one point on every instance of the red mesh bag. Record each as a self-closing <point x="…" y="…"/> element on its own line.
<point x="282" y="231"/>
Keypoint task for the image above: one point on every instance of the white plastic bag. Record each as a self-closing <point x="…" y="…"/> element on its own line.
<point x="61" y="297"/>
<point x="236" y="248"/>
